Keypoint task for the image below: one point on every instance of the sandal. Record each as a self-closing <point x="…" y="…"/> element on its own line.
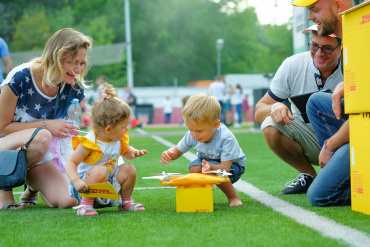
<point x="8" y="206"/>
<point x="133" y="207"/>
<point x="29" y="201"/>
<point x="85" y="210"/>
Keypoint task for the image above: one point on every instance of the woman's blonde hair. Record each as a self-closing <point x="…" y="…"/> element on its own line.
<point x="109" y="110"/>
<point x="63" y="43"/>
<point x="202" y="108"/>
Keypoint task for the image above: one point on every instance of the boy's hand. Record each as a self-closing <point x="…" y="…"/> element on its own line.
<point x="206" y="167"/>
<point x="166" y="156"/>
<point x="81" y="186"/>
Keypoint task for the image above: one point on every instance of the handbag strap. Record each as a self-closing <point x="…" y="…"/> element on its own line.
<point x="56" y="102"/>
<point x="25" y="146"/>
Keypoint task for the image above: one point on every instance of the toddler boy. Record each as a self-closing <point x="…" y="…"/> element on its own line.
<point x="216" y="146"/>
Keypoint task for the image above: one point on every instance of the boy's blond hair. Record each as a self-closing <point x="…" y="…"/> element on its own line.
<point x="202" y="108"/>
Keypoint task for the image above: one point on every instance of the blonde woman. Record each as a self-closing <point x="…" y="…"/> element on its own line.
<point x="37" y="94"/>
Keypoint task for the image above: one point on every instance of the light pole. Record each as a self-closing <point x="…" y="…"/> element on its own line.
<point x="219" y="45"/>
<point x="130" y="74"/>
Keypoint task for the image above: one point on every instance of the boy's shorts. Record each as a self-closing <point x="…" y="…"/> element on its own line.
<point x="237" y="170"/>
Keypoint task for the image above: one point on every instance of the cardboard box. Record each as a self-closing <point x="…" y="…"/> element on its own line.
<point x="356" y="54"/>
<point x="359" y="127"/>
<point x="198" y="199"/>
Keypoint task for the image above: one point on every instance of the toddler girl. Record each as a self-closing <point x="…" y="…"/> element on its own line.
<point x="95" y="159"/>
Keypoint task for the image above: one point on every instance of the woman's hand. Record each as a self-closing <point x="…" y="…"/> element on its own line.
<point x="60" y="128"/>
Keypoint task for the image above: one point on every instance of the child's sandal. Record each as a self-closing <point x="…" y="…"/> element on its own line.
<point x="85" y="210"/>
<point x="133" y="207"/>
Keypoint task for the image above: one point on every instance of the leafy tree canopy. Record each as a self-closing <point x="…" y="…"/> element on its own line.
<point x="170" y="39"/>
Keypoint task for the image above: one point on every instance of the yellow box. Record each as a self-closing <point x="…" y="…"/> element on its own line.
<point x="356" y="54"/>
<point x="359" y="127"/>
<point x="194" y="199"/>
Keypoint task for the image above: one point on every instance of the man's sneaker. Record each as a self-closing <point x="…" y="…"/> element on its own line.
<point x="299" y="185"/>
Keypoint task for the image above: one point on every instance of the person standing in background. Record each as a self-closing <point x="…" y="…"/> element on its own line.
<point x="130" y="99"/>
<point x="217" y="90"/>
<point x="4" y="55"/>
<point x="245" y="108"/>
<point x="227" y="106"/>
<point x="237" y="101"/>
<point x="101" y="82"/>
<point x="183" y="102"/>
<point x="167" y="109"/>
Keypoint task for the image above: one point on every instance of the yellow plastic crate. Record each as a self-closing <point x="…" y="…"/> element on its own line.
<point x="359" y="125"/>
<point x="356" y="53"/>
<point x="198" y="199"/>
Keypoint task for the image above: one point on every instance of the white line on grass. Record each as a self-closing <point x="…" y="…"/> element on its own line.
<point x="324" y="226"/>
<point x="154" y="188"/>
<point x="136" y="188"/>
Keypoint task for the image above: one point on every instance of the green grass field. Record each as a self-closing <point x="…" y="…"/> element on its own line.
<point x="252" y="224"/>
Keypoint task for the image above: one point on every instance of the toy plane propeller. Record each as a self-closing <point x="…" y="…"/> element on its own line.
<point x="219" y="172"/>
<point x="162" y="176"/>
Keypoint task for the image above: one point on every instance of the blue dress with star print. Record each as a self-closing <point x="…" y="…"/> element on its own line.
<point x="32" y="104"/>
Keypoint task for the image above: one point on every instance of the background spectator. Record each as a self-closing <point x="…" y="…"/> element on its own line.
<point x="237" y="101"/>
<point x="245" y="108"/>
<point x="130" y="99"/>
<point x="217" y="90"/>
<point x="167" y="109"/>
<point x="4" y="55"/>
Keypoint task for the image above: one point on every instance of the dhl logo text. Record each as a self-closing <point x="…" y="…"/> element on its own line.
<point x="365" y="19"/>
<point x="101" y="191"/>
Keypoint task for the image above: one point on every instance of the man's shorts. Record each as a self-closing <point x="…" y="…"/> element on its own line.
<point x="237" y="170"/>
<point x="300" y="132"/>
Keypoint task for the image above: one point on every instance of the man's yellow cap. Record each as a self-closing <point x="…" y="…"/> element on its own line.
<point x="303" y="3"/>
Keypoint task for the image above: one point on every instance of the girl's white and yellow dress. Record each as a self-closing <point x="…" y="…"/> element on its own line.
<point x="103" y="153"/>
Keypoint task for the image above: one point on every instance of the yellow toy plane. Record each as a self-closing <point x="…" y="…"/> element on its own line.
<point x="194" y="192"/>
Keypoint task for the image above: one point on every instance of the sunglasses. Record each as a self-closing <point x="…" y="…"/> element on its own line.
<point x="327" y="50"/>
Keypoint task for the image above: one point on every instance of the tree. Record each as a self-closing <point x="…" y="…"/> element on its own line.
<point x="170" y="39"/>
<point x="31" y="31"/>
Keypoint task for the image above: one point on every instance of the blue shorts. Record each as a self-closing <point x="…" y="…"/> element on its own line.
<point x="237" y="170"/>
<point x="227" y="106"/>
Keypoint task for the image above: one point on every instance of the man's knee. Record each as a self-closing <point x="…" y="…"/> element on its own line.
<point x="272" y="135"/>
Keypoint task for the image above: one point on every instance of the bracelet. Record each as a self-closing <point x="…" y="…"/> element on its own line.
<point x="44" y="124"/>
<point x="327" y="150"/>
<point x="272" y="107"/>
